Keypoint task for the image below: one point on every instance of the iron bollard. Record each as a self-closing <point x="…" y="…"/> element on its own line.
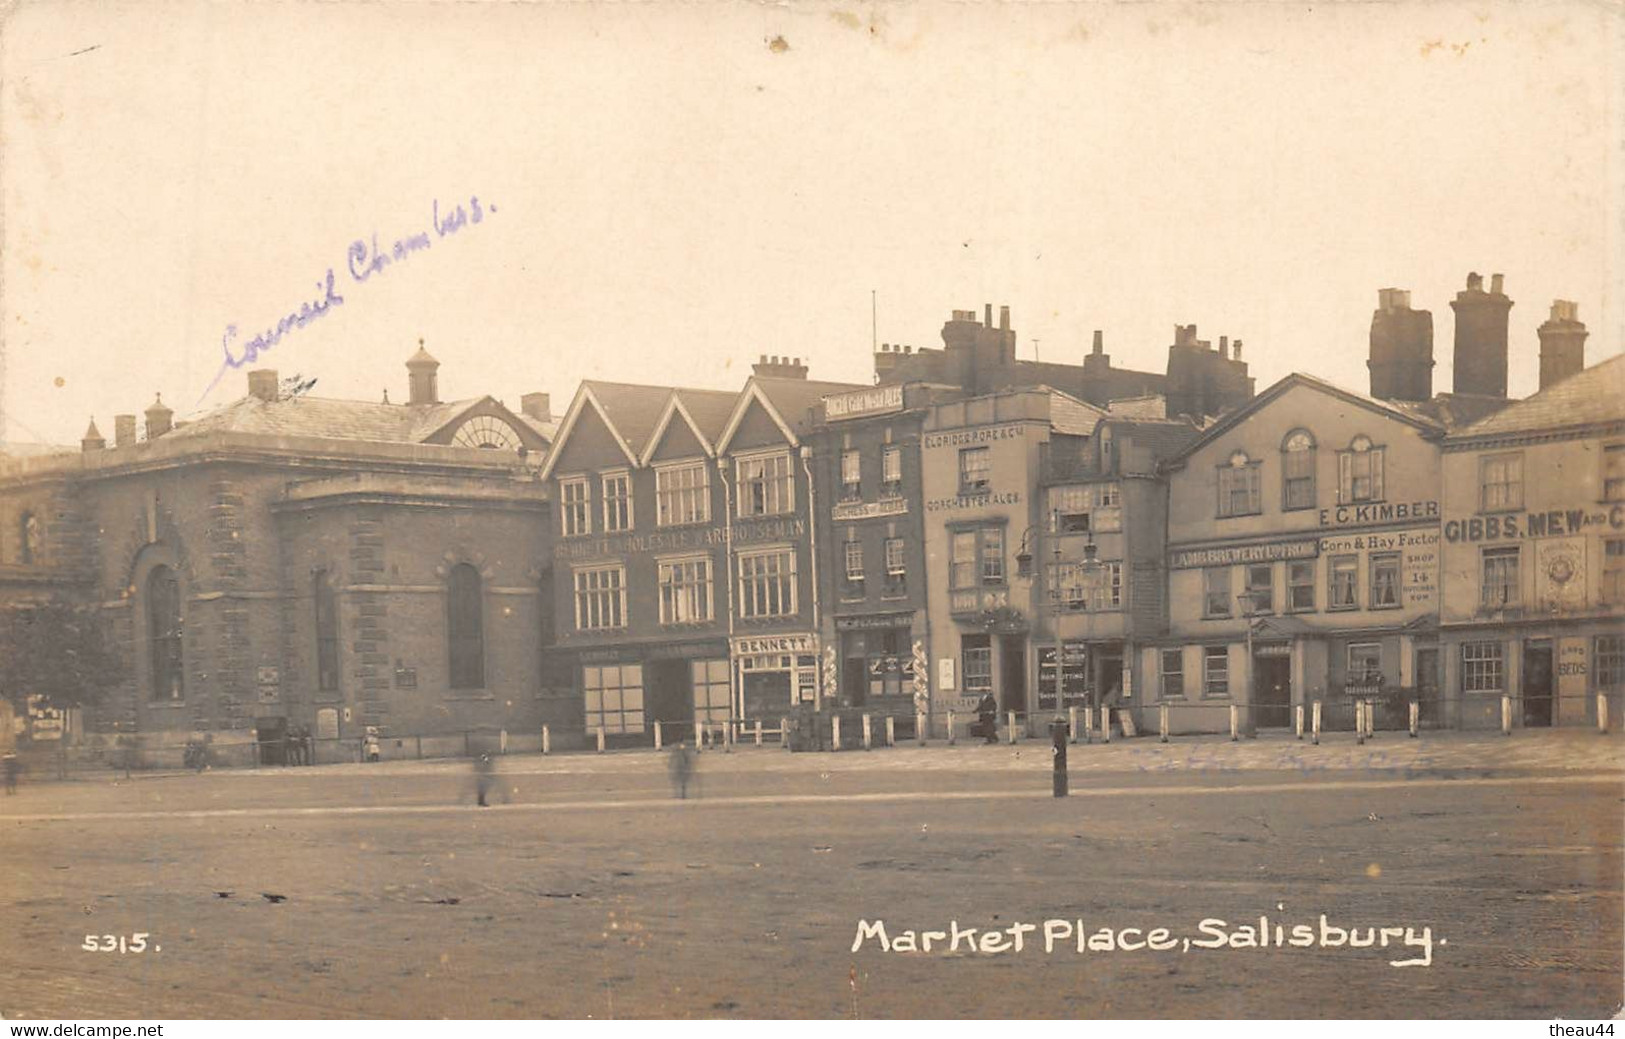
<point x="1235" y="723"/>
<point x="1416" y="718"/>
<point x="1162" y="721"/>
<point x="835" y="731"/>
<point x="1506" y="715"/>
<point x="1072" y="723"/>
<point x="868" y="732"/>
<point x="1058" y="731"/>
<point x="1011" y="728"/>
<point x="1105" y="724"/>
<point x="1316" y="730"/>
<point x="1297" y="721"/>
<point x="600" y="739"/>
<point x="1359" y="722"/>
<point x="547" y="740"/>
<point x="1602" y="713"/>
<point x="784" y="733"/>
<point x="919" y="727"/>
<point x="657" y="734"/>
<point x="891" y="731"/>
<point x="950" y="728"/>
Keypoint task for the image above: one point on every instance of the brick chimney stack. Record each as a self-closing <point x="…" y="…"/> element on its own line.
<point x="779" y="367"/>
<point x="538" y="406"/>
<point x="1401" y="358"/>
<point x="1481" y="338"/>
<point x="1562" y="343"/>
<point x="262" y="383"/>
<point x="123" y="430"/>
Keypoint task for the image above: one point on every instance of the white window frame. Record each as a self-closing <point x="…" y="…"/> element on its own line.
<point x="683" y="504"/>
<point x="1372" y="458"/>
<point x="1211" y="675"/>
<point x="601" y="603"/>
<point x="891" y="471"/>
<point x="755" y="591"/>
<point x="1332" y="570"/>
<point x="614" y="506"/>
<point x="1480" y="663"/>
<point x="1612" y="586"/>
<point x="1511" y="590"/>
<point x="597" y="692"/>
<point x="1612" y="480"/>
<point x="1250" y="472"/>
<point x="687" y="594"/>
<point x="1372" y="600"/>
<point x="1366" y="675"/>
<point x="1500" y="482"/>
<point x="896" y="562"/>
<point x="1176" y="654"/>
<point x="984" y="467"/>
<point x="778" y="485"/>
<point x="579" y="511"/>
<point x="852" y="554"/>
<point x="851" y="474"/>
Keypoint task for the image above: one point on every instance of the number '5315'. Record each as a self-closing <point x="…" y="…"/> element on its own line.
<point x="115" y="942"/>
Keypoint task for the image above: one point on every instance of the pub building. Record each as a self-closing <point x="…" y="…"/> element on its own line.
<point x="1303" y="563"/>
<point x="1100" y="554"/>
<point x="866" y="467"/>
<point x="1534" y="547"/>
<point x="684" y="566"/>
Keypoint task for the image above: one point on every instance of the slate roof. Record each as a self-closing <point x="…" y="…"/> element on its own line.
<point x="709" y="409"/>
<point x="326" y="418"/>
<point x="1070" y="416"/>
<point x="793" y="399"/>
<point x="930" y="365"/>
<point x="632" y="408"/>
<point x="1153" y="405"/>
<point x="1593" y="397"/>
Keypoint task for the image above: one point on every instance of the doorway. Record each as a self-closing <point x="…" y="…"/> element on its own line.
<point x="1427" y="686"/>
<point x="1013" y="673"/>
<point x="854" y="677"/>
<point x="666" y="692"/>
<point x="1537" y="684"/>
<point x="1272" y="692"/>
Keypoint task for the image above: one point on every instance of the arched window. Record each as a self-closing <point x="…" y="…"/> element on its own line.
<point x="327" y="633"/>
<point x="28" y="539"/>
<point x="1298" y="470"/>
<point x="163" y="604"/>
<point x="465" y="628"/>
<point x="1238" y="486"/>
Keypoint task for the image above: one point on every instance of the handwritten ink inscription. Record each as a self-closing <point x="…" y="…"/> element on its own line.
<point x="365" y="258"/>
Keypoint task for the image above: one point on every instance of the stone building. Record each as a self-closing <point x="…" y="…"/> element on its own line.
<point x="289" y="560"/>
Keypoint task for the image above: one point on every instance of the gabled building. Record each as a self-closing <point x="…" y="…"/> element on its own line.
<point x="288" y="560"/>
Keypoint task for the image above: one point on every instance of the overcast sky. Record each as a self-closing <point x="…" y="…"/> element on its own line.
<point x="668" y="191"/>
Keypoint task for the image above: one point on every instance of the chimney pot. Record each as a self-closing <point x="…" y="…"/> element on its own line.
<point x="1475" y="282"/>
<point x="1235" y="349"/>
<point x="987" y="312"/>
<point x="1495" y="284"/>
<point x="1004" y="317"/>
<point x="262" y="383"/>
<point x="123" y="430"/>
<point x="538" y="406"/>
<point x="1099" y="345"/>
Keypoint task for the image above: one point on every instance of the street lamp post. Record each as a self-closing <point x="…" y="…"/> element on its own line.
<point x="1249" y="607"/>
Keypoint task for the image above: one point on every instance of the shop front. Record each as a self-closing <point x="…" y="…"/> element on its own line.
<point x="625" y="690"/>
<point x="776" y="674"/>
<point x="882" y="663"/>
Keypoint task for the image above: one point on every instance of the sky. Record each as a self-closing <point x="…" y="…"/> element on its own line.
<point x="668" y="191"/>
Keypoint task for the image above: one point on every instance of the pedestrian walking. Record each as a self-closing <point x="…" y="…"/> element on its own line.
<point x="986" y="712"/>
<point x="681" y="766"/>
<point x="485" y="768"/>
<point x="14" y="767"/>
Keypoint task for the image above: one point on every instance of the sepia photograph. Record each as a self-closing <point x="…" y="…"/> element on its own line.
<point x="811" y="511"/>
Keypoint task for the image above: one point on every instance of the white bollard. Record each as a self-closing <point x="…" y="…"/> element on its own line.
<point x="950" y="728"/>
<point x="1316" y="723"/>
<point x="1105" y="724"/>
<point x="919" y="726"/>
<point x="502" y="742"/>
<point x="758" y="732"/>
<point x="891" y="731"/>
<point x="657" y="735"/>
<point x="547" y="741"/>
<point x="1602" y="713"/>
<point x="1370" y="720"/>
<point x="1506" y="715"/>
<point x="1235" y="723"/>
<point x="1297" y="721"/>
<point x="1359" y="722"/>
<point x="1011" y="728"/>
<point x="600" y="739"/>
<point x="1072" y="723"/>
<point x="784" y="733"/>
<point x="1416" y="718"/>
<point x="868" y="734"/>
<point x="835" y="731"/>
<point x="1162" y="721"/>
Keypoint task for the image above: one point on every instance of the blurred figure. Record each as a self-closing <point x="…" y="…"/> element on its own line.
<point x="681" y="766"/>
<point x="14" y="766"/>
<point x="485" y="774"/>
<point x="986" y="712"/>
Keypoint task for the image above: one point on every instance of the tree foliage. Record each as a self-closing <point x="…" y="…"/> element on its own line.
<point x="59" y="651"/>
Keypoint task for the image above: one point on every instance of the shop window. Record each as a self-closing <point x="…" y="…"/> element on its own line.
<point x="1343" y="580"/>
<point x="614" y="698"/>
<point x="164" y="625"/>
<point x="767" y="583"/>
<point x="896" y="567"/>
<point x="327" y="632"/>
<point x="685" y="590"/>
<point x="1500" y="483"/>
<point x="713" y="693"/>
<point x="1300" y="587"/>
<point x="977" y="653"/>
<point x="766" y="485"/>
<point x="1613" y="472"/>
<point x="1173" y="674"/>
<point x="1384" y="580"/>
<point x="1613" y="570"/>
<point x="978" y="557"/>
<point x="975" y="470"/>
<point x="600" y="598"/>
<point x="1360" y="472"/>
<point x="851" y="475"/>
<point x="1260" y="589"/>
<point x="575" y="516"/>
<point x="1215" y="671"/>
<point x="1216" y="591"/>
<point x="1298" y="470"/>
<point x="465" y="629"/>
<point x="1608" y="660"/>
<point x="1364" y="663"/>
<point x="1482" y="667"/>
<point x="683" y="494"/>
<point x="1499" y="587"/>
<point x="1239" y="487"/>
<point x="891" y="472"/>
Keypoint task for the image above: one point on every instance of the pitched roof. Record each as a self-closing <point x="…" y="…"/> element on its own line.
<point x="1152" y="405"/>
<point x="1592" y="397"/>
<point x="632" y="409"/>
<point x="1070" y="416"/>
<point x="324" y="417"/>
<point x="1234" y="418"/>
<point x="795" y="398"/>
<point x="709" y="409"/>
